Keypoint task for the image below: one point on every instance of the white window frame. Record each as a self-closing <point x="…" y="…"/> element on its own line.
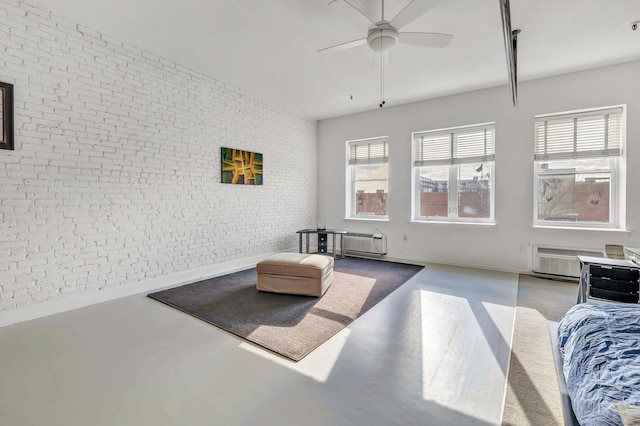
<point x="378" y="155"/>
<point x="453" y="159"/>
<point x="613" y="150"/>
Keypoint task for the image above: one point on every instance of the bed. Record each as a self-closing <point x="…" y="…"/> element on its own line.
<point x="599" y="347"/>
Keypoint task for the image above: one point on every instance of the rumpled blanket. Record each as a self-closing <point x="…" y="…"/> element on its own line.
<point x="600" y="349"/>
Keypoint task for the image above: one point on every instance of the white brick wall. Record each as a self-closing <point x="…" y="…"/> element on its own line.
<point x="115" y="177"/>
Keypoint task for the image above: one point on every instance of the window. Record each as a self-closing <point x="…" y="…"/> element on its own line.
<point x="368" y="178"/>
<point x="453" y="174"/>
<point x="577" y="168"/>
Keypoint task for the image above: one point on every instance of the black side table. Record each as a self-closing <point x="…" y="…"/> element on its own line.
<point x="323" y="237"/>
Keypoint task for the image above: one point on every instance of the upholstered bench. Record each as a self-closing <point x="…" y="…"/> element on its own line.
<point x="295" y="273"/>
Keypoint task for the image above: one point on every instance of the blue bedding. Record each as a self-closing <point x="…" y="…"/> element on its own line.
<point x="600" y="348"/>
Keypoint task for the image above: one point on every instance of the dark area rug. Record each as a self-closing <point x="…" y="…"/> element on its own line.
<point x="289" y="325"/>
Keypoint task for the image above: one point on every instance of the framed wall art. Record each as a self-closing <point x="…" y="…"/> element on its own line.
<point x="241" y="167"/>
<point x="6" y="115"/>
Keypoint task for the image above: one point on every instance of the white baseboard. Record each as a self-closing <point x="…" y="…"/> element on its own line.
<point x="426" y="262"/>
<point x="80" y="300"/>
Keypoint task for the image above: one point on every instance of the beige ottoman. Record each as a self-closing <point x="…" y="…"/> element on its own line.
<point x="295" y="273"/>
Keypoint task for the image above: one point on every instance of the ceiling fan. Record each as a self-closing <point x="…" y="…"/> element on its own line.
<point x="383" y="35"/>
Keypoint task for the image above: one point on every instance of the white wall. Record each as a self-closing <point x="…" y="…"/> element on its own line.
<point x="115" y="177"/>
<point x="497" y="246"/>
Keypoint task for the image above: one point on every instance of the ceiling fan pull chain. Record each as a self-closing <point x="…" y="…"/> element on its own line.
<point x="382" y="79"/>
<point x="381" y="83"/>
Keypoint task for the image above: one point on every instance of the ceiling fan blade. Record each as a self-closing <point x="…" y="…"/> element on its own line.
<point x="344" y="46"/>
<point x="426" y="39"/>
<point x="412" y="11"/>
<point x="346" y="8"/>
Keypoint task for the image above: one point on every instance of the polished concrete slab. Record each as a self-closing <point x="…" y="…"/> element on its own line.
<point x="435" y="352"/>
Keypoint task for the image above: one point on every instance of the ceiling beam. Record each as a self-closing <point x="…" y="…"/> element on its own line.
<point x="510" y="47"/>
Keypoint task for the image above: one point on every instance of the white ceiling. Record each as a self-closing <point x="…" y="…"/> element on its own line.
<point x="268" y="48"/>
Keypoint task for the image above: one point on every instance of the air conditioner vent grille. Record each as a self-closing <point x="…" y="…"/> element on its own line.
<point x="567" y="252"/>
<point x="356" y="234"/>
<point x="560" y="261"/>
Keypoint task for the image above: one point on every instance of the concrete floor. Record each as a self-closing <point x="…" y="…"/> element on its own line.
<point x="435" y="352"/>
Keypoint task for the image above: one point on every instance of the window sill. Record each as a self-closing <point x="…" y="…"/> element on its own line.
<point x="445" y="222"/>
<point x="581" y="228"/>
<point x="369" y="219"/>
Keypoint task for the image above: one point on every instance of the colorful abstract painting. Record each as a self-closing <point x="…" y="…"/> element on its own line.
<point x="241" y="167"/>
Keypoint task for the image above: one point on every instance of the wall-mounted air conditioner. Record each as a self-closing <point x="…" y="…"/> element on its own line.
<point x="555" y="262"/>
<point x="366" y="244"/>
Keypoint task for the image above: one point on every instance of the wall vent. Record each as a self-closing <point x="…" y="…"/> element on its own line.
<point x="560" y="262"/>
<point x="367" y="244"/>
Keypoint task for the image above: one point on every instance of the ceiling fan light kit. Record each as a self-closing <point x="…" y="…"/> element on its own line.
<point x="382" y="38"/>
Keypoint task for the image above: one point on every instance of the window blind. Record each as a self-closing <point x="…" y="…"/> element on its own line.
<point x="581" y="135"/>
<point x="371" y="151"/>
<point x="469" y="144"/>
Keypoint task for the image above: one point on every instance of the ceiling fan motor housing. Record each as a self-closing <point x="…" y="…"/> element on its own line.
<point x="383" y="37"/>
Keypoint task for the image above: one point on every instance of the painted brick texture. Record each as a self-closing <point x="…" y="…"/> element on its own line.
<point x="115" y="177"/>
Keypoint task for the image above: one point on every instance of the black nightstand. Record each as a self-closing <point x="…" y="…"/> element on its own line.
<point x="613" y="280"/>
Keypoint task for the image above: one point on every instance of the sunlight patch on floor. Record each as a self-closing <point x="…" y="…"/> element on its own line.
<point x="459" y="363"/>
<point x="442" y="351"/>
<point x="318" y="365"/>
